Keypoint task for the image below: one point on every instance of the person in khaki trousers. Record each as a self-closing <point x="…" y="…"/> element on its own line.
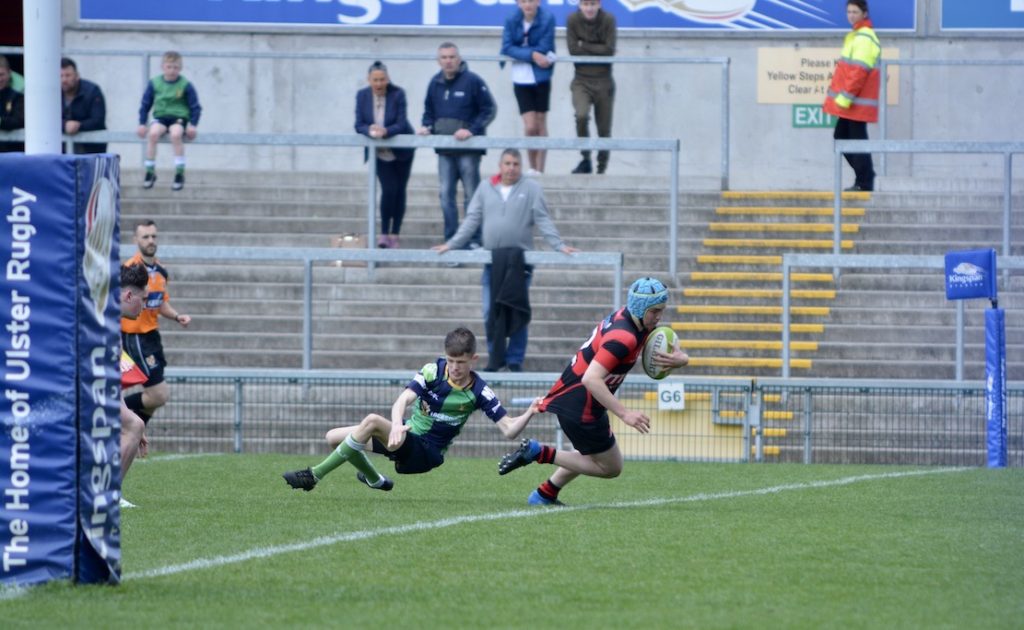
<point x="591" y="32"/>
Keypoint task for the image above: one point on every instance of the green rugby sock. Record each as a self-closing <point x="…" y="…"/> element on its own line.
<point x="348" y="451"/>
<point x="359" y="459"/>
<point x="335" y="459"/>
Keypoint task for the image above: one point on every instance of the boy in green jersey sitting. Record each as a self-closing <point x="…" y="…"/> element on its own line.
<point x="176" y="111"/>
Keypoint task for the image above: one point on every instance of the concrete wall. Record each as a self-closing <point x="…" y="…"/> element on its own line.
<point x="674" y="101"/>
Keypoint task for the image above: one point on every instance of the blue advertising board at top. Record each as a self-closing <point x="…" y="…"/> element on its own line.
<point x="971" y="15"/>
<point x="721" y="15"/>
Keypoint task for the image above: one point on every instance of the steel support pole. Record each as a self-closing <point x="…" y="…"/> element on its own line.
<point x="307" y="314"/>
<point x="43" y="126"/>
<point x="785" y="319"/>
<point x="673" y="217"/>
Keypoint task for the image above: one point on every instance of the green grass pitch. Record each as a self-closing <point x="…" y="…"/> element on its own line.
<point x="222" y="542"/>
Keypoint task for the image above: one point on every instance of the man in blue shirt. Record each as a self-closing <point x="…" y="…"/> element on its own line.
<point x="458" y="104"/>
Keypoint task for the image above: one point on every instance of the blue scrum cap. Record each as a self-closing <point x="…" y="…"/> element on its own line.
<point x="645" y="293"/>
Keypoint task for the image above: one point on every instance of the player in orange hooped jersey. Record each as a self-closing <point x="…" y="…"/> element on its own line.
<point x="141" y="337"/>
<point x="585" y="393"/>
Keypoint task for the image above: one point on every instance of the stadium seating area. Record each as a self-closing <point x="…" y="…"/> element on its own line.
<point x="889" y="324"/>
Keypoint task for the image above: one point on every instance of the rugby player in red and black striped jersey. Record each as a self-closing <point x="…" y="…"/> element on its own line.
<point x="585" y="393"/>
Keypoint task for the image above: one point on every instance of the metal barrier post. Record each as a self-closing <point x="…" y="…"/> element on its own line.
<point x="960" y="340"/>
<point x="238" y="415"/>
<point x="785" y="317"/>
<point x="618" y="285"/>
<point x="883" y="111"/>
<point x="673" y="217"/>
<point x="745" y="457"/>
<point x="807" y="425"/>
<point x="307" y="314"/>
<point x="837" y="205"/>
<point x="371" y="203"/>
<point x="725" y="124"/>
<point x="1007" y="208"/>
<point x="754" y="410"/>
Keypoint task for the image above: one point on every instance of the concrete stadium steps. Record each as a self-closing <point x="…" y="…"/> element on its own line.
<point x="757" y="246"/>
<point x="731" y="298"/>
<point x="358" y="322"/>
<point x="598" y="279"/>
<point x="790" y="227"/>
<point x="597" y="212"/>
<point x="863" y="324"/>
<point x="605" y="215"/>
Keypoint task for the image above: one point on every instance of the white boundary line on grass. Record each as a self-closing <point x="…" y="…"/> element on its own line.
<point x="173" y="457"/>
<point x="323" y="541"/>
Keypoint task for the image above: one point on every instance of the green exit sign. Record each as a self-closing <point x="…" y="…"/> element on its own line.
<point x="812" y="117"/>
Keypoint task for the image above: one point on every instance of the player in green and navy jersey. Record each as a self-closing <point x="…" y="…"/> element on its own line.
<point x="447" y="392"/>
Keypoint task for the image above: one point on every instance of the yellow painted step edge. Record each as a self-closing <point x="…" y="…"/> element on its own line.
<point x="752" y="362"/>
<point x="746" y="344"/>
<point x="811" y="294"/>
<point x="793" y="243"/>
<point x="757" y="276"/>
<point x="746" y="327"/>
<point x="742" y="309"/>
<point x="731" y="259"/>
<point x="846" y="228"/>
<point x="789" y="211"/>
<point x="771" y="431"/>
<point x="792" y="194"/>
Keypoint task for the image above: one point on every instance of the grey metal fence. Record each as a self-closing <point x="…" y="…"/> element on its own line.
<point x="883" y="94"/>
<point x="1006" y="149"/>
<point x="308" y="255"/>
<point x="447" y="142"/>
<point x="724" y="420"/>
<point x="146" y="58"/>
<point x="882" y="261"/>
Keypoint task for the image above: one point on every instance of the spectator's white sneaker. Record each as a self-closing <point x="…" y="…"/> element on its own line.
<point x="532" y="172"/>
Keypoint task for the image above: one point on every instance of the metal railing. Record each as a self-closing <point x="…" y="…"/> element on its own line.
<point x="307" y="256"/>
<point x="416" y="141"/>
<point x="883" y="103"/>
<point x="1007" y="149"/>
<point x="859" y="261"/>
<point x="724" y="420"/>
<point x="722" y="62"/>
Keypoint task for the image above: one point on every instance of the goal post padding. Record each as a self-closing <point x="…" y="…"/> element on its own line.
<point x="60" y="306"/>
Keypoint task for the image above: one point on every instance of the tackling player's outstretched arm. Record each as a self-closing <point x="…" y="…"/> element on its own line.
<point x="511" y="427"/>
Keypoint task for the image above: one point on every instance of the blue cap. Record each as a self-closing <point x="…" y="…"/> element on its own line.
<point x="645" y="293"/>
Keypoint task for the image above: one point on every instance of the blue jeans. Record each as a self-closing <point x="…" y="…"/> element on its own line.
<point x="516" y="350"/>
<point x="450" y="169"/>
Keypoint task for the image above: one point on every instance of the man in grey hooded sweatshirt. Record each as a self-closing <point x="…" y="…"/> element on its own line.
<point x="507" y="206"/>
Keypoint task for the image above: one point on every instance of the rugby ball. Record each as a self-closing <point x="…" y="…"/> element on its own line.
<point x="661" y="339"/>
